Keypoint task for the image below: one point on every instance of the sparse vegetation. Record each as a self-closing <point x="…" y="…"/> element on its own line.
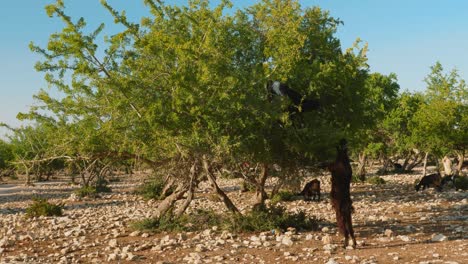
<point x="41" y="207"/>
<point x="375" y="180"/>
<point x="461" y="183"/>
<point x="151" y="189"/>
<point x="273" y="217"/>
<point x="282" y="196"/>
<point x="92" y="191"/>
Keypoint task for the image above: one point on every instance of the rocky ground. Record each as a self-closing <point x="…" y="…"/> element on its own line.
<point x="393" y="224"/>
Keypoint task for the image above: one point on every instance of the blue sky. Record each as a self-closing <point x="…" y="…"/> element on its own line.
<point x="404" y="36"/>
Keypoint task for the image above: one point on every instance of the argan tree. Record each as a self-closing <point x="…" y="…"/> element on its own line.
<point x="184" y="90"/>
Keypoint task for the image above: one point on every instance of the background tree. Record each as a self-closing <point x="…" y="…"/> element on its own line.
<point x="440" y="126"/>
<point x="184" y="91"/>
<point x="381" y="98"/>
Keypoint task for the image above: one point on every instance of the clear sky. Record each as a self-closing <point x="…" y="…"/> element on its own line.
<point x="404" y="36"/>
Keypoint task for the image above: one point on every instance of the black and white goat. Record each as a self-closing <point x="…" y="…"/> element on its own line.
<point x="300" y="104"/>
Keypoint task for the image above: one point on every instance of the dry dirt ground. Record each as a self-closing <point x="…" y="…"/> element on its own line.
<point x="393" y="224"/>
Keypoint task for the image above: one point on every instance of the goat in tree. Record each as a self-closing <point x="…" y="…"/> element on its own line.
<point x="340" y="192"/>
<point x="299" y="103"/>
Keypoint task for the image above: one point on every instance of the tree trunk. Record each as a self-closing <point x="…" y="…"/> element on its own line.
<point x="447" y="163"/>
<point x="260" y="194"/>
<point x="361" y="171"/>
<point x="425" y="164"/>
<point x="167" y="187"/>
<point x="28" y="176"/>
<point x="229" y="205"/>
<point x="461" y="159"/>
<point x="418" y="159"/>
<point x="193" y="183"/>
<point x="169" y="202"/>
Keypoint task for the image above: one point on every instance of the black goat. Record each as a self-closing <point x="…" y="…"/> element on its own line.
<point x="340" y="192"/>
<point x="300" y="104"/>
<point x="311" y="190"/>
<point x="431" y="180"/>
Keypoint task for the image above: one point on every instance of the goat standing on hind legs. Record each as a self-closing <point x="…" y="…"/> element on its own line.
<point x="340" y="192"/>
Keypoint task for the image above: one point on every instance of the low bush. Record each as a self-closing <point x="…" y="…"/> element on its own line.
<point x="151" y="189"/>
<point x="273" y="217"/>
<point x="355" y="178"/>
<point x="86" y="191"/>
<point x="283" y="196"/>
<point x="199" y="220"/>
<point x="268" y="219"/>
<point x="41" y="207"/>
<point x="461" y="183"/>
<point x="375" y="180"/>
<point x="100" y="186"/>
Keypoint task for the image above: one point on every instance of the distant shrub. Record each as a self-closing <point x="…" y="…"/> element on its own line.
<point x="100" y="186"/>
<point x="86" y="191"/>
<point x="375" y="180"/>
<point x="41" y="207"/>
<point x="247" y="186"/>
<point x="461" y="183"/>
<point x="152" y="189"/>
<point x="282" y="196"/>
<point x="355" y="178"/>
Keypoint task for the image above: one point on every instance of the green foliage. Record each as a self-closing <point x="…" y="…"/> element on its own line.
<point x="100" y="186"/>
<point x="176" y="85"/>
<point x="86" y="191"/>
<point x="375" y="180"/>
<point x="283" y="196"/>
<point x="152" y="189"/>
<point x="440" y="125"/>
<point x="41" y="207"/>
<point x="6" y="155"/>
<point x="461" y="183"/>
<point x="199" y="220"/>
<point x="274" y="217"/>
<point x="263" y="220"/>
<point x="356" y="178"/>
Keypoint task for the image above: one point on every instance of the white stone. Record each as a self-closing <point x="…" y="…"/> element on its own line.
<point x="327" y="239"/>
<point x="287" y="241"/>
<point x="113" y="243"/>
<point x="438" y="238"/>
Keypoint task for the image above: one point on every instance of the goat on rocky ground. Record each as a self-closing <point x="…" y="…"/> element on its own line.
<point x="340" y="193"/>
<point x="431" y="180"/>
<point x="311" y="190"/>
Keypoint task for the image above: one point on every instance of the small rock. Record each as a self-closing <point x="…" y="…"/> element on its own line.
<point x="112" y="257"/>
<point x="326" y="239"/>
<point x="388" y="232"/>
<point x="287" y="241"/>
<point x="113" y="243"/>
<point x="438" y="238"/>
<point x="330" y="247"/>
<point x="404" y="238"/>
<point x="331" y="261"/>
<point x="131" y="257"/>
<point x="135" y="233"/>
